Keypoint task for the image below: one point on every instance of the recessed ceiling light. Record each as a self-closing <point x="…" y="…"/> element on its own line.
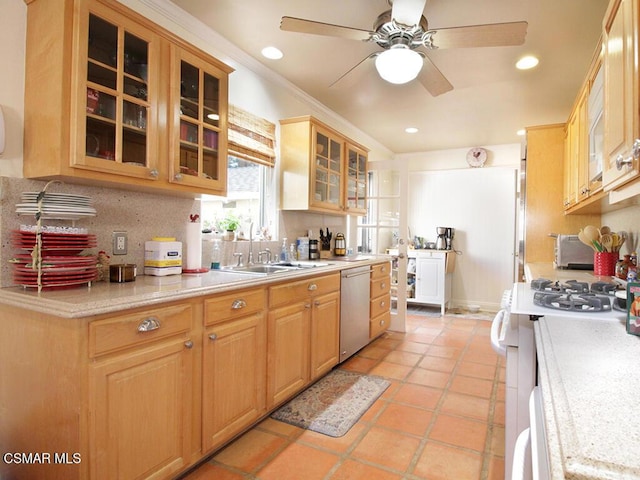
<point x="527" y="62"/>
<point x="521" y="132"/>
<point x="411" y="130"/>
<point x="272" y="53"/>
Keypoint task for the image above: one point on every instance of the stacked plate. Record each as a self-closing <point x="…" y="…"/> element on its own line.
<point x="61" y="262"/>
<point x="57" y="206"/>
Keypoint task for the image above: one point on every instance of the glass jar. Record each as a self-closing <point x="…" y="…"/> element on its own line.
<point x="622" y="267"/>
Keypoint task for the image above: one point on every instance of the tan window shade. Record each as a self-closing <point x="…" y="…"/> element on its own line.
<point x="250" y="137"/>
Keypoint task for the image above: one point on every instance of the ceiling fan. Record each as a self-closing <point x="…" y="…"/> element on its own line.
<point x="401" y="31"/>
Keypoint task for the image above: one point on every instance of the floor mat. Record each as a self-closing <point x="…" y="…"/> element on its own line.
<point x="334" y="404"/>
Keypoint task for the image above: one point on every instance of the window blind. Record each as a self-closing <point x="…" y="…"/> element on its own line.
<point x="250" y="137"/>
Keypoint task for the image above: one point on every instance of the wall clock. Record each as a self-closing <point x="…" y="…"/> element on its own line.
<point x="476" y="157"/>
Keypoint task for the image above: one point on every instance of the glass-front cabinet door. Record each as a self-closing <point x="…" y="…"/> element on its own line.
<point x="198" y="121"/>
<point x="327" y="170"/>
<point x="117" y="127"/>
<point x="356" y="188"/>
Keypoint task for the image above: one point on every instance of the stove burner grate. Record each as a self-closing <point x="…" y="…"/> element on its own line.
<point x="584" y="302"/>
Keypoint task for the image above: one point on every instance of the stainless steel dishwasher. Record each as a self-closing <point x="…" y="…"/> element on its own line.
<point x="354" y="310"/>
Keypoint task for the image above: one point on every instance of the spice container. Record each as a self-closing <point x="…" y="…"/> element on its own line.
<point x="121" y="273"/>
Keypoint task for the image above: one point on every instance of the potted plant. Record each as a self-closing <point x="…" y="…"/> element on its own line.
<point x="229" y="224"/>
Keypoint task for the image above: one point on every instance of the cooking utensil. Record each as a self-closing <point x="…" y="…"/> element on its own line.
<point x="606" y="240"/>
<point x="604" y="230"/>
<point x="592" y="233"/>
<point x="583" y="238"/>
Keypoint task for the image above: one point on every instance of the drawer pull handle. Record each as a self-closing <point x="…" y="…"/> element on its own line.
<point x="213" y="336"/>
<point x="238" y="304"/>
<point x="312" y="287"/>
<point x="383" y="285"/>
<point x="188" y="344"/>
<point x="149" y="324"/>
<point x="307" y="305"/>
<point x="382" y="303"/>
<point x="383" y="269"/>
<point x="382" y="323"/>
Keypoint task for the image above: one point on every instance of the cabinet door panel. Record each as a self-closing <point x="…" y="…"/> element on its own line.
<point x="325" y="334"/>
<point x="141" y="412"/>
<point x="234" y="373"/>
<point x="429" y="275"/>
<point x="288" y="351"/>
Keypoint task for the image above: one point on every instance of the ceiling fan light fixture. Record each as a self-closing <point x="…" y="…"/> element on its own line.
<point x="399" y="64"/>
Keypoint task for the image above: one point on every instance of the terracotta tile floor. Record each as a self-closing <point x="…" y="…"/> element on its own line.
<point x="442" y="418"/>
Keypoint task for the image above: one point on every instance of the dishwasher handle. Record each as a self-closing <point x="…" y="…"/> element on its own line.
<point x="356" y="274"/>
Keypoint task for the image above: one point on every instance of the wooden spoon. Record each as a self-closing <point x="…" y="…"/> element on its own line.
<point x="592" y="233"/>
<point x="606" y="240"/>
<point x="583" y="238"/>
<point x="604" y="230"/>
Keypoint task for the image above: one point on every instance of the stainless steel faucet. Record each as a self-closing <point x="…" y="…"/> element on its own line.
<point x="250" y="256"/>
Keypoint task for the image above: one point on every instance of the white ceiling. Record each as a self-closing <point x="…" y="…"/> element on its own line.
<point x="491" y="100"/>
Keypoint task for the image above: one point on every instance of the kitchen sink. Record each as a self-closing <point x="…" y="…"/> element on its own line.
<point x="260" y="269"/>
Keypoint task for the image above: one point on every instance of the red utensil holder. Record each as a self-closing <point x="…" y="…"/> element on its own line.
<point x="604" y="263"/>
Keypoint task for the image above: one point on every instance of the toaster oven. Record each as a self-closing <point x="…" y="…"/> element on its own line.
<point x="571" y="253"/>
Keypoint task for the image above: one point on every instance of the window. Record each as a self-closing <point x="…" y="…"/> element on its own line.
<point x="250" y="199"/>
<point x="250" y="178"/>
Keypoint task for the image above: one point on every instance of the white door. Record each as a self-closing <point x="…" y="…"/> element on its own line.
<point x="384" y="229"/>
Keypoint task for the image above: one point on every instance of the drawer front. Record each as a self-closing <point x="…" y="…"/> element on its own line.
<point x="298" y="290"/>
<point x="380" y="286"/>
<point x="379" y="324"/>
<point x="234" y="305"/>
<point x="379" y="305"/>
<point x="380" y="270"/>
<point x="138" y="328"/>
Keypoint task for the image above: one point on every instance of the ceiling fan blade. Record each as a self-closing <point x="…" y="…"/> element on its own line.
<point x="301" y="25"/>
<point x="491" y="35"/>
<point x="407" y="12"/>
<point x="354" y="74"/>
<point x="432" y="79"/>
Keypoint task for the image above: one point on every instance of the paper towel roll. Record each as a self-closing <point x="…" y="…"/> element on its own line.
<point x="194" y="246"/>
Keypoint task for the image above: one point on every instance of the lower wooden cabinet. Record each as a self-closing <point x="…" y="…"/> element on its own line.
<point x="380" y="299"/>
<point x="140" y="393"/>
<point x="303" y="334"/>
<point x="233" y="378"/>
<point x="147" y="393"/>
<point x="141" y="413"/>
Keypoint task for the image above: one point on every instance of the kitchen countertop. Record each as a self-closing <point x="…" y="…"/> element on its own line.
<point x="589" y="386"/>
<point x="587" y="371"/>
<point x="105" y="297"/>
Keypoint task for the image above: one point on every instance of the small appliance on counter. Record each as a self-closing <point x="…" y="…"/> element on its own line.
<point x="340" y="249"/>
<point x="445" y="238"/>
<point x="571" y="253"/>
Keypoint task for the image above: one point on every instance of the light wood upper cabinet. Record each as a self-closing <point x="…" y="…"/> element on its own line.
<point x="198" y="122"/>
<point x="322" y="170"/>
<point x="100" y="86"/>
<point x="620" y="91"/>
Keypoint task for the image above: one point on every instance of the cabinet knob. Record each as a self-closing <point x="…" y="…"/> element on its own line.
<point x="238" y="304"/>
<point x="312" y="287"/>
<point x="188" y="344"/>
<point x="383" y="285"/>
<point x="382" y="323"/>
<point x="154" y="173"/>
<point x="213" y="336"/>
<point x="307" y="305"/>
<point x="177" y="177"/>
<point x="383" y="303"/>
<point x="149" y="324"/>
<point x="316" y="303"/>
<point x="383" y="269"/>
<point x="621" y="161"/>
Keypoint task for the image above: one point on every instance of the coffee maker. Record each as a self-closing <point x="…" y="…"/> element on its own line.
<point x="441" y="241"/>
<point x="445" y="238"/>
<point x="449" y="237"/>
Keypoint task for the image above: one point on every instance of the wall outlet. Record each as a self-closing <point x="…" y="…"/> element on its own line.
<point x="119" y="243"/>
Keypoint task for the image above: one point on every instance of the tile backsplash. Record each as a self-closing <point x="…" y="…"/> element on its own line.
<point x="142" y="215"/>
